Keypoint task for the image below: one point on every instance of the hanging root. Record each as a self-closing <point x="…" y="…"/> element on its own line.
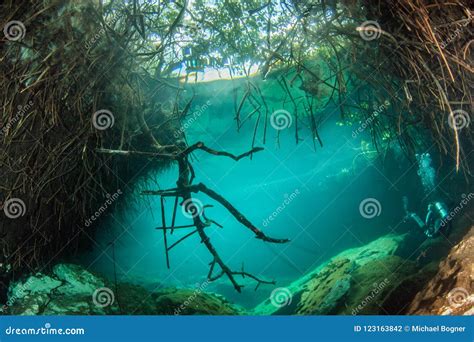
<point x="185" y="190"/>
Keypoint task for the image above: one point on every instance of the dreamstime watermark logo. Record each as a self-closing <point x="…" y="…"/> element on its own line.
<point x="371" y="118"/>
<point x="281" y="297"/>
<point x="457" y="209"/>
<point x="199" y="289"/>
<point x="457" y="297"/>
<point x="103" y="119"/>
<point x="14" y="208"/>
<point x="46" y="330"/>
<point x="193" y="117"/>
<point x="191" y="207"/>
<point x="14" y="30"/>
<point x="101" y="32"/>
<point x="281" y="119"/>
<point x="377" y="289"/>
<point x="168" y="106"/>
<point x="369" y="30"/>
<point x="108" y="202"/>
<point x="19" y="293"/>
<point x="454" y="35"/>
<point x="103" y="297"/>
<point x="22" y="110"/>
<point x="459" y="119"/>
<point x="288" y="199"/>
<point x="370" y="207"/>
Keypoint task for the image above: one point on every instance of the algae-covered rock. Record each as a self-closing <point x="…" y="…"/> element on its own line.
<point x="67" y="290"/>
<point x="77" y="280"/>
<point x="136" y="300"/>
<point x="371" y="283"/>
<point x="36" y="284"/>
<point x="192" y="302"/>
<point x="340" y="284"/>
<point x="344" y="288"/>
<point x="323" y="293"/>
<point x="72" y="290"/>
<point x="375" y="250"/>
<point x="30" y="294"/>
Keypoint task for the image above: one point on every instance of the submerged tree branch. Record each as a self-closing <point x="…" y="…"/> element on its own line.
<point x="184" y="190"/>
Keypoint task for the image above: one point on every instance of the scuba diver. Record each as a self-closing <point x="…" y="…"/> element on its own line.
<point x="436" y="221"/>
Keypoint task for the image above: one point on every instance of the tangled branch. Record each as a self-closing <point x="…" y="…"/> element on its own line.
<point x="184" y="190"/>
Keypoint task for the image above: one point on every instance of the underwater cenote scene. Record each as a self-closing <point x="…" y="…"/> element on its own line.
<point x="236" y="158"/>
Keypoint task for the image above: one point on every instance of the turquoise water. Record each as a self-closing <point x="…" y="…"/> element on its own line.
<point x="320" y="188"/>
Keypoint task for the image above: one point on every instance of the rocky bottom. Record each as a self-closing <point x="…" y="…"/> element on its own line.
<point x="384" y="276"/>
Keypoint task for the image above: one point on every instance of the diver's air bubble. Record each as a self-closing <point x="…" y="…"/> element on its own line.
<point x="426" y="172"/>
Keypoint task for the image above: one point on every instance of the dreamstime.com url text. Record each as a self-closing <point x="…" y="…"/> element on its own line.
<point x="46" y="330"/>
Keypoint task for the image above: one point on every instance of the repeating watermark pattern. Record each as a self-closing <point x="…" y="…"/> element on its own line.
<point x="14" y="30"/>
<point x="22" y="110"/>
<point x="281" y="119"/>
<point x="14" y="208"/>
<point x="454" y="35"/>
<point x="92" y="42"/>
<point x="280" y="297"/>
<point x="457" y="297"/>
<point x="103" y="297"/>
<point x="103" y="119"/>
<point x="459" y="119"/>
<point x="193" y="117"/>
<point x="108" y="202"/>
<point x="168" y="105"/>
<point x="377" y="111"/>
<point x="457" y="209"/>
<point x="199" y="289"/>
<point x="191" y="207"/>
<point x="288" y="199"/>
<point x="19" y="293"/>
<point x="369" y="30"/>
<point x="377" y="289"/>
<point x="370" y="207"/>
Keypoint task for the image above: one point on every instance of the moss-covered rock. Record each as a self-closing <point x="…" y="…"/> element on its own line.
<point x="324" y="292"/>
<point x="72" y="290"/>
<point x="342" y="283"/>
<point x="193" y="302"/>
<point x="371" y="282"/>
<point x="375" y="250"/>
